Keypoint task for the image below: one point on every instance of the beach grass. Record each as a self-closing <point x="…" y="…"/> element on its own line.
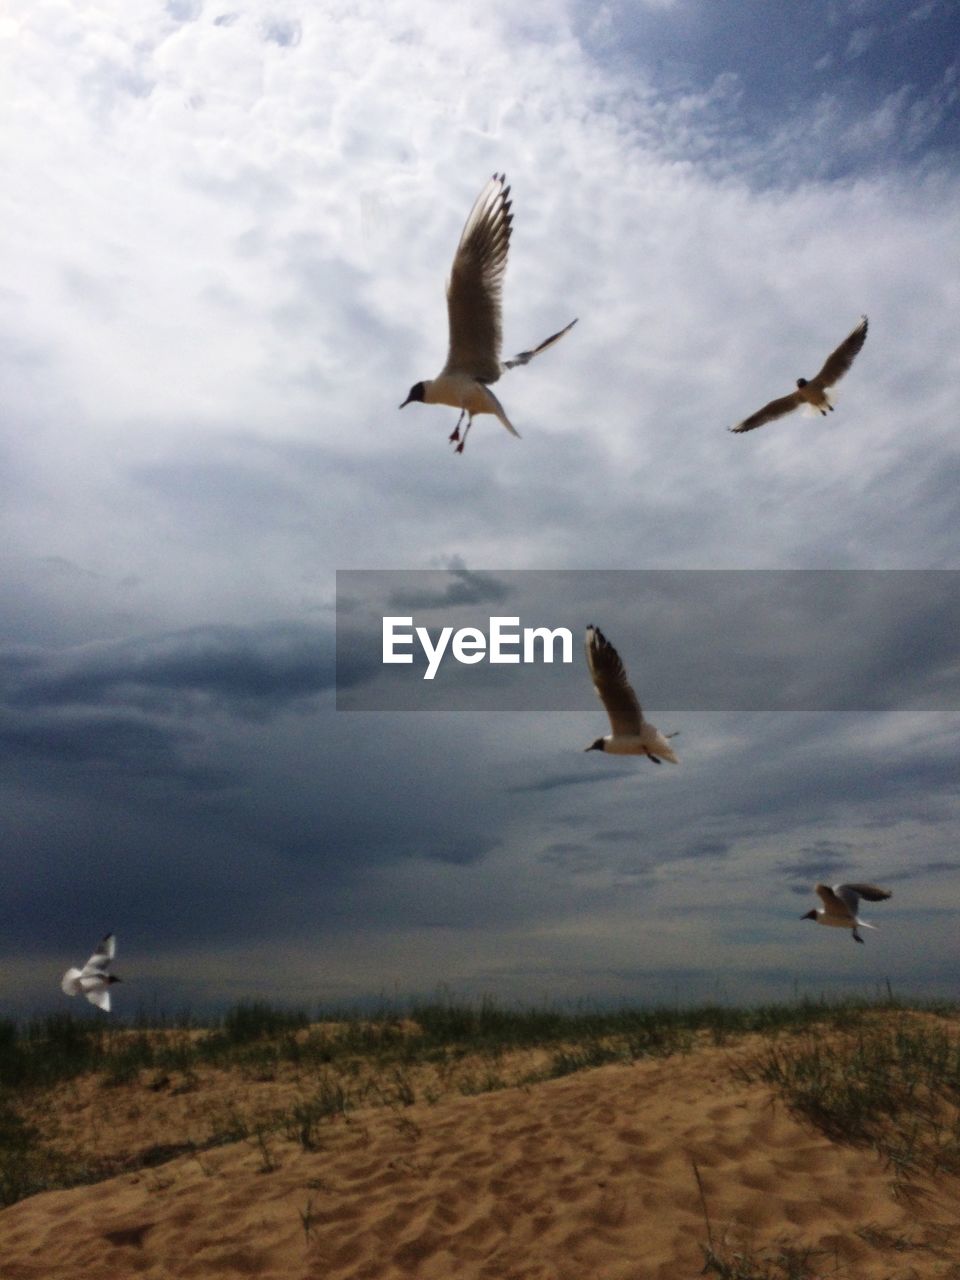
<point x="892" y="1085"/>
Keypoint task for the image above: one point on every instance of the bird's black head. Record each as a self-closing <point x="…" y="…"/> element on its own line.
<point x="811" y="915"/>
<point x="595" y="746"/>
<point x="801" y="382"/>
<point x="416" y="393"/>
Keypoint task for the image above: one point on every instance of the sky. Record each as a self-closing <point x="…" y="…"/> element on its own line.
<point x="224" y="232"/>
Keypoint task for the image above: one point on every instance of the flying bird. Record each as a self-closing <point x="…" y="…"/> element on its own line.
<point x="93" y="980"/>
<point x="473" y="310"/>
<point x="813" y="392"/>
<point x="840" y="904"/>
<point x="632" y="735"/>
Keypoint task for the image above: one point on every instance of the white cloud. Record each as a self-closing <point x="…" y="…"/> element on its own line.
<point x="224" y="245"/>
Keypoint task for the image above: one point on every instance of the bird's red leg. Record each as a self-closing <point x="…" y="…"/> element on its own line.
<point x="459" y="448"/>
<point x="455" y="433"/>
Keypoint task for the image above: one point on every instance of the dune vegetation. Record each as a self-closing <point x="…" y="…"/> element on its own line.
<point x="85" y="1100"/>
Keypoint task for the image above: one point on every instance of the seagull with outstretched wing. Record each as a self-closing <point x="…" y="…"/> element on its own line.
<point x="814" y="392"/>
<point x="94" y="980"/>
<point x="631" y="734"/>
<point x="474" y="296"/>
<point x="840" y="904"/>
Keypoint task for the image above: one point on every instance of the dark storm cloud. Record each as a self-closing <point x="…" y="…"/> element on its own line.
<point x="814" y="862"/>
<point x="706" y="847"/>
<point x="556" y="781"/>
<point x="569" y="854"/>
<point x="466" y="588"/>
<point x="130" y="746"/>
<point x="246" y="671"/>
<point x="145" y="708"/>
<point x="910" y="787"/>
<point x="932" y="868"/>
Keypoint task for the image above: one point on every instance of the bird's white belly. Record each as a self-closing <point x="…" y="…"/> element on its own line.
<point x="626" y="745"/>
<point x="460" y="392"/>
<point x="835" y="922"/>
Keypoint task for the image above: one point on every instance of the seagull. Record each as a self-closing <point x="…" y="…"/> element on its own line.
<point x="473" y="311"/>
<point x="840" y="906"/>
<point x="92" y="980"/>
<point x="813" y="392"/>
<point x="632" y="735"/>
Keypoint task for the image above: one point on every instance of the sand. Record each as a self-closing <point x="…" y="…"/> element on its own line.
<point x="587" y="1177"/>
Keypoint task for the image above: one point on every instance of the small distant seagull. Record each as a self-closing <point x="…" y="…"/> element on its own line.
<point x="813" y="392"/>
<point x="473" y="310"/>
<point x="632" y="735"/>
<point x="93" y="980"/>
<point x="840" y="906"/>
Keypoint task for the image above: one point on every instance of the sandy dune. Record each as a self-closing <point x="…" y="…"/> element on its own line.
<point x="587" y="1177"/>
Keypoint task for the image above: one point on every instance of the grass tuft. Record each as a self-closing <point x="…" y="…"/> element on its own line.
<point x="894" y="1087"/>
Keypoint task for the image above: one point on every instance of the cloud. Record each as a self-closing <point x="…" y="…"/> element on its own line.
<point x="815" y="861"/>
<point x="556" y="781"/>
<point x="246" y="671"/>
<point x="936" y="867"/>
<point x="467" y="588"/>
<point x="286" y="32"/>
<point x="861" y="38"/>
<point x="200" y="372"/>
<point x="707" y="847"/>
<point x="128" y="745"/>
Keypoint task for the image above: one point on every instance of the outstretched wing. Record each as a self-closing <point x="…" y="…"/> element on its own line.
<point x="100" y="996"/>
<point x="839" y="361"/>
<point x="611" y="683"/>
<point x="869" y="891"/>
<point x="775" y="409"/>
<point x="524" y="357"/>
<point x="475" y="288"/>
<point x="99" y="962"/>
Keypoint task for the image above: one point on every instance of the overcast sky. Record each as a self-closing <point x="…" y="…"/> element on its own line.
<point x="224" y="235"/>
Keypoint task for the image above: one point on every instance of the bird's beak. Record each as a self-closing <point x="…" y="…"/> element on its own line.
<point x="407" y="401"/>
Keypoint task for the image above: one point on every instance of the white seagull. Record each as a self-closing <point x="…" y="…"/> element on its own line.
<point x="840" y="904"/>
<point x="93" y="980"/>
<point x="473" y="310"/>
<point x="814" y="392"/>
<point x="632" y="735"/>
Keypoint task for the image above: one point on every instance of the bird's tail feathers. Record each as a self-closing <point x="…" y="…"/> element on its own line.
<point x="525" y="357"/>
<point x="500" y="413"/>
